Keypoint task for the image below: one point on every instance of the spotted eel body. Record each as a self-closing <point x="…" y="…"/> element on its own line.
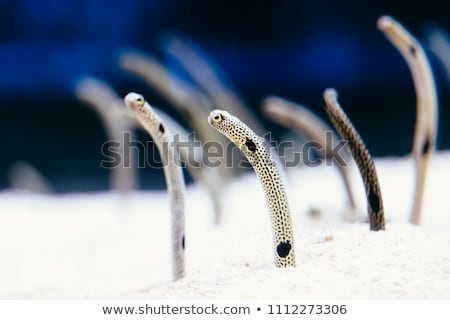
<point x="264" y="164"/>
<point x="362" y="158"/>
<point x="426" y="119"/>
<point x="173" y="173"/>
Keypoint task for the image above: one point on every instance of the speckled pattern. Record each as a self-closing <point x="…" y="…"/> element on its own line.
<point x="362" y="158"/>
<point x="268" y="173"/>
<point x="173" y="173"/>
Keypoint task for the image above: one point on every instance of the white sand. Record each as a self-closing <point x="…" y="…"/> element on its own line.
<point x="103" y="246"/>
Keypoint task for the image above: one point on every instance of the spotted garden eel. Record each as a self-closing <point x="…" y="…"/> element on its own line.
<point x="426" y="114"/>
<point x="303" y="121"/>
<point x="362" y="158"/>
<point x="173" y="173"/>
<point x="264" y="164"/>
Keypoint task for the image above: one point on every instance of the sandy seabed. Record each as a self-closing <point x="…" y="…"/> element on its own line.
<point x="101" y="245"/>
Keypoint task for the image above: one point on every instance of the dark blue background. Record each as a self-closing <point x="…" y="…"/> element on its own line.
<point x="286" y="47"/>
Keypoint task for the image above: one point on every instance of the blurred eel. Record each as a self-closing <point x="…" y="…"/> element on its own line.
<point x="426" y="115"/>
<point x="303" y="121"/>
<point x="191" y="152"/>
<point x="210" y="79"/>
<point x="109" y="107"/>
<point x="439" y="43"/>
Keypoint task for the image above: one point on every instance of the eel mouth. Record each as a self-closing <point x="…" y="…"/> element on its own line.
<point x="130" y="102"/>
<point x="211" y="121"/>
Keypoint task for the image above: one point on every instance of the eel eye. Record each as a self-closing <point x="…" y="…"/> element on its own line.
<point x="218" y="117"/>
<point x="140" y="101"/>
